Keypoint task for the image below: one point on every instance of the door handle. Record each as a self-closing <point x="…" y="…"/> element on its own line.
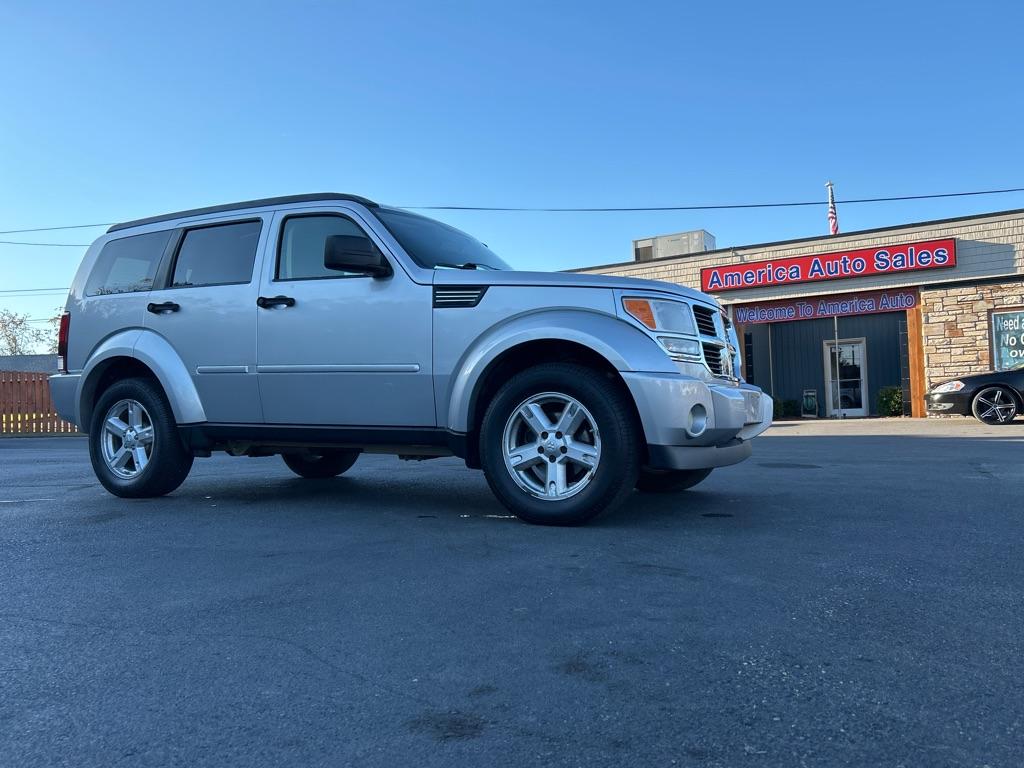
<point x="159" y="309"/>
<point x="264" y="302"/>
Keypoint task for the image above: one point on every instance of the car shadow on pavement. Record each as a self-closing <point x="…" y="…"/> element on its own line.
<point x="462" y="494"/>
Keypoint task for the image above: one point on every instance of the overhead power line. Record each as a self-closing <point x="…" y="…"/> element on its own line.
<point x="733" y="206"/>
<point x="30" y="290"/>
<point x="52" y="229"/>
<point x="48" y="245"/>
<point x="610" y="209"/>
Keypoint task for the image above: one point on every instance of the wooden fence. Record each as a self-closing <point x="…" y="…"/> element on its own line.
<point x="26" y="407"/>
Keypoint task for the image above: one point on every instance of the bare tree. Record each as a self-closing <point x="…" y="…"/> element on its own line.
<point x="53" y="331"/>
<point x="17" y="335"/>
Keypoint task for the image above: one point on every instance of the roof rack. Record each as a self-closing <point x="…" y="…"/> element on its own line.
<point x="261" y="203"/>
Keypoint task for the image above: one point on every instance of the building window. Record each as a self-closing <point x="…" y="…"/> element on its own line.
<point x="1007" y="332"/>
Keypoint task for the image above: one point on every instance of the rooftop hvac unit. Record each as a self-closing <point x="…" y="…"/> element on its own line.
<point x="679" y="244"/>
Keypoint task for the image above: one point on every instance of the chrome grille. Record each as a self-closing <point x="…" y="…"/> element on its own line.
<point x="714" y="358"/>
<point x="705" y="318"/>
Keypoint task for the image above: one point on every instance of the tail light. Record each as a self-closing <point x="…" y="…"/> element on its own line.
<point x="62" y="342"/>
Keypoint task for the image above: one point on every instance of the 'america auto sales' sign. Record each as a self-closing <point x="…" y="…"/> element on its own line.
<point x="884" y="260"/>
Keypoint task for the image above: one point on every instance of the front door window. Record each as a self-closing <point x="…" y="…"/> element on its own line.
<point x="846" y="378"/>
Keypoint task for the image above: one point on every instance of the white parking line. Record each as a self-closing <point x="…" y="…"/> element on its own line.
<point x="21" y="501"/>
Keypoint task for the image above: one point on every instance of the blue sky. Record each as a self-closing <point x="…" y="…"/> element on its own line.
<point x="117" y="110"/>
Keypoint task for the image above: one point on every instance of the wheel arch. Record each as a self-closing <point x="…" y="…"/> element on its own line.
<point x="606" y="340"/>
<point x="522" y="356"/>
<point x="143" y="354"/>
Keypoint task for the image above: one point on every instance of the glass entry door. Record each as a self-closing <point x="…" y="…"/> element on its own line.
<point x="846" y="378"/>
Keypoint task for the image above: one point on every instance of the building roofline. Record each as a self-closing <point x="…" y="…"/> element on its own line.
<point x="241" y="206"/>
<point x="775" y="243"/>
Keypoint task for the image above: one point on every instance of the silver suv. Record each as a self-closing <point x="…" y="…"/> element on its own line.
<point x="319" y="327"/>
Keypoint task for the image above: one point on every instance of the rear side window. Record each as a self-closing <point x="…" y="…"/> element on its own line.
<point x="127" y="265"/>
<point x="218" y="255"/>
<point x="301" y="255"/>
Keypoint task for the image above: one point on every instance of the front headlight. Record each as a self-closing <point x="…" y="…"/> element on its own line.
<point x="668" y="316"/>
<point x="949" y="386"/>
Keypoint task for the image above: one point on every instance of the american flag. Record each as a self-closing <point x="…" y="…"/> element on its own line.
<point x="833" y="219"/>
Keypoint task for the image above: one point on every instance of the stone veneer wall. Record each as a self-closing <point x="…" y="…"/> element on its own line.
<point x="955" y="325"/>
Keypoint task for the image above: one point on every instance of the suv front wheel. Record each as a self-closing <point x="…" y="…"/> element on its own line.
<point x="133" y="441"/>
<point x="558" y="444"/>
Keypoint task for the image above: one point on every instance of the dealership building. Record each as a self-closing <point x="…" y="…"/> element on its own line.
<point x="828" y="323"/>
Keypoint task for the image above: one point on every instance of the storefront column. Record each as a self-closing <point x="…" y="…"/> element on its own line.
<point x="915" y="355"/>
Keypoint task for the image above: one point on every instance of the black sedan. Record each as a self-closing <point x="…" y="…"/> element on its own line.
<point x="995" y="397"/>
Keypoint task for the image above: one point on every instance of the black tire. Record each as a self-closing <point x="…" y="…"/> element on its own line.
<point x="320" y="465"/>
<point x="169" y="462"/>
<point x="618" y="463"/>
<point x="669" y="480"/>
<point x="995" y="405"/>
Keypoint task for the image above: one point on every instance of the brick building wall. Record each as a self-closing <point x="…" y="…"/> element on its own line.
<point x="990" y="245"/>
<point x="956" y="327"/>
<point x="952" y="331"/>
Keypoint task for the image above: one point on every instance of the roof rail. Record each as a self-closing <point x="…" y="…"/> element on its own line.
<point x="261" y="203"/>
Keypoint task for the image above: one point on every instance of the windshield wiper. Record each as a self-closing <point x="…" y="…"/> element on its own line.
<point x="467" y="265"/>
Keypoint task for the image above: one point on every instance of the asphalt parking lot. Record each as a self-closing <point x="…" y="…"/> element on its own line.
<point x="852" y="595"/>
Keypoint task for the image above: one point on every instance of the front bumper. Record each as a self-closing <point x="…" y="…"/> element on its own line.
<point x="958" y="403"/>
<point x="690" y="424"/>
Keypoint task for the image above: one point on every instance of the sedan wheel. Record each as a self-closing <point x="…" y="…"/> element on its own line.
<point x="994" y="405"/>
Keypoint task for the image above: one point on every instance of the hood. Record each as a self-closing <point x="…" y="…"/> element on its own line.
<point x="563" y="280"/>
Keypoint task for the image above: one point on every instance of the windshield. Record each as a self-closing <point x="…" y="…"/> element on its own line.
<point x="434" y="245"/>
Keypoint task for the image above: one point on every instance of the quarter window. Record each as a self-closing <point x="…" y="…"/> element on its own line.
<point x="127" y="264"/>
<point x="218" y="255"/>
<point x="303" y="238"/>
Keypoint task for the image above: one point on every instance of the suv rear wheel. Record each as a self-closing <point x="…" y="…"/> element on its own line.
<point x="558" y="444"/>
<point x="320" y="465"/>
<point x="133" y="441"/>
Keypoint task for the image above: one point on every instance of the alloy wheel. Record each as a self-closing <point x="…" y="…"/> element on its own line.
<point x="127" y="440"/>
<point x="995" y="406"/>
<point x="551" y="446"/>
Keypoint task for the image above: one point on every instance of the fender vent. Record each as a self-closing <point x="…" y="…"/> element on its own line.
<point x="455" y="297"/>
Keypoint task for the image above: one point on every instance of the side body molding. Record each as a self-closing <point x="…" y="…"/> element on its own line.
<point x="157" y="354"/>
<point x="625" y="347"/>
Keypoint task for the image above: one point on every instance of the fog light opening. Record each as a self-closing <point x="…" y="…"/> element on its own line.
<point x="698" y="421"/>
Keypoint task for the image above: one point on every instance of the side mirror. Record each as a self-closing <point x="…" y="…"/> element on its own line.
<point x="355" y="253"/>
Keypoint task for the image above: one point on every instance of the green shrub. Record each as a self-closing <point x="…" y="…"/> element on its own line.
<point x="890" y="401"/>
<point x="776" y="409"/>
<point x="790" y="409"/>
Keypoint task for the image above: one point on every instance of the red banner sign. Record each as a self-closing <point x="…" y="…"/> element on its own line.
<point x="838" y="305"/>
<point x="884" y="260"/>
